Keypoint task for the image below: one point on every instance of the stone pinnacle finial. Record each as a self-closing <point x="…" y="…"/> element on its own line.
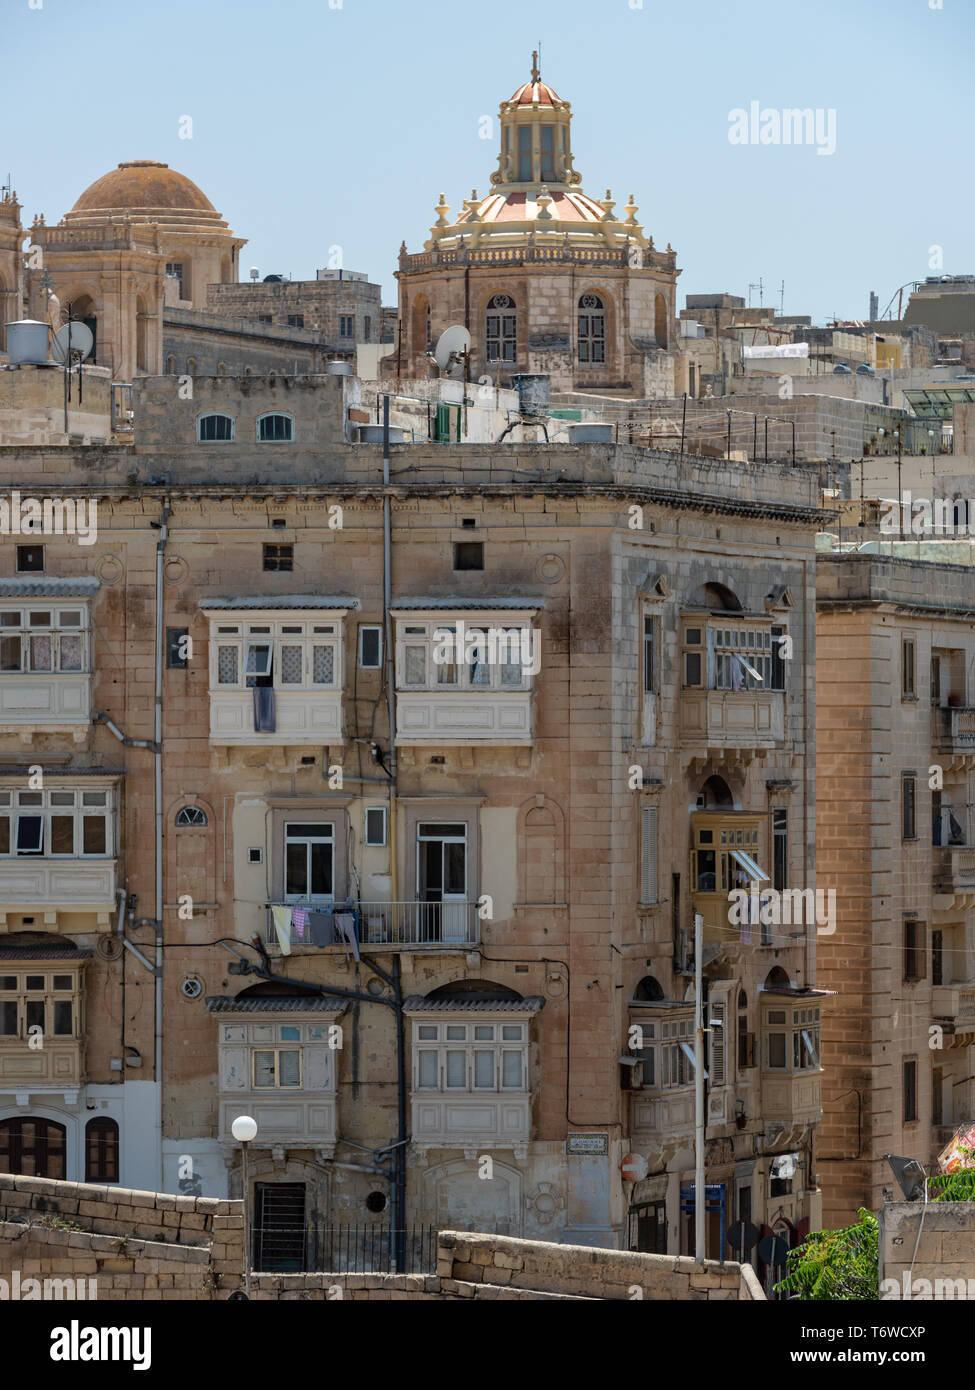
<point x="535" y="72"/>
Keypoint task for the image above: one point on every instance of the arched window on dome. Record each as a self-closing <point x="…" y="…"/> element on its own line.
<point x="141" y="335"/>
<point x="501" y="329"/>
<point x="660" y="321"/>
<point x="592" y="330"/>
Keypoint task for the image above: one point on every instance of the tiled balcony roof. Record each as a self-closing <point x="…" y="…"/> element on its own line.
<point x="275" y="1004"/>
<point x="479" y="1004"/>
<point x="282" y="601"/>
<point x="84" y="587"/>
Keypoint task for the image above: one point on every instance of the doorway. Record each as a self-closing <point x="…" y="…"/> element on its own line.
<point x="441" y="877"/>
<point x="279" y="1227"/>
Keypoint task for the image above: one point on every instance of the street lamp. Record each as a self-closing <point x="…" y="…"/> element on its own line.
<point x="244" y="1129"/>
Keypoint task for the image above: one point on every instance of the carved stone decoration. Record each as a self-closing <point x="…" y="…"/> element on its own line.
<point x="545" y="1203"/>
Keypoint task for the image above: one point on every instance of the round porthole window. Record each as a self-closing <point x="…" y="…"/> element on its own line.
<point x="377" y="1202"/>
<point x="192" y="987"/>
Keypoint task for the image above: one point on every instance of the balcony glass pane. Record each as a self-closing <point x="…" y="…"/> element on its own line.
<point x="95" y="840"/>
<point x="457" y="1070"/>
<point x="8" y="1018"/>
<point x="291" y="665"/>
<point x="511" y="1069"/>
<point x="288" y="1068"/>
<point x="62" y="834"/>
<point x="9" y="654"/>
<point x="484" y="1069"/>
<point x="41" y="654"/>
<point x="35" y="1014"/>
<point x="427" y="1070"/>
<point x="324" y="665"/>
<point x="227" y="665"/>
<point x="63" y="1018"/>
<point x="263" y="1069"/>
<point x="416" y="665"/>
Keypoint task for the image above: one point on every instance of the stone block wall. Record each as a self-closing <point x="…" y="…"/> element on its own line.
<point x="945" y="1251"/>
<point x="136" y="1244"/>
<point x="590" y="1273"/>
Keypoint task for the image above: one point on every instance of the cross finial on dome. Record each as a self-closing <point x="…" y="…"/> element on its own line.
<point x="535" y="72"/>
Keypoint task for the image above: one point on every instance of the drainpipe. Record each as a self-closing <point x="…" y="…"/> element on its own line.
<point x="157" y="754"/>
<point x="390" y="655"/>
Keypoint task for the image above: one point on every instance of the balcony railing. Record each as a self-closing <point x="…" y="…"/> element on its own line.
<point x="954" y="869"/>
<point x="957" y="727"/>
<point x="400" y="924"/>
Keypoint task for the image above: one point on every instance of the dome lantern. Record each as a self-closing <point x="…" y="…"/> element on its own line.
<point x="535" y="143"/>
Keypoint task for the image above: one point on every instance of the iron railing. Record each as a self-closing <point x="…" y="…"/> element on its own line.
<point x="315" y="1248"/>
<point x="395" y="924"/>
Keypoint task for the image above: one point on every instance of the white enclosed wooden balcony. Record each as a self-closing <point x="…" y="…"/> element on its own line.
<point x="44" y="699"/>
<point x="445" y="718"/>
<point x="793" y="1098"/>
<point x="63" y="885"/>
<point x="465" y="1121"/>
<point x="300" y="717"/>
<point x="465" y="672"/>
<point x="739" y="719"/>
<point x="656" y="1115"/>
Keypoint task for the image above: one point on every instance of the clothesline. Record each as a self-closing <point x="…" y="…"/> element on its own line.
<point x="322" y="925"/>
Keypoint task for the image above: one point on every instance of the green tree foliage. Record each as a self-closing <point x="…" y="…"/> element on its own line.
<point x="836" y="1264"/>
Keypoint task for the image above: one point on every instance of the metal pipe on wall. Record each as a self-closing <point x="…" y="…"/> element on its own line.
<point x="158" y="896"/>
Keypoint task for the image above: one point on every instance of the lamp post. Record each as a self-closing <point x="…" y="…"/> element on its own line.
<point x="244" y="1129"/>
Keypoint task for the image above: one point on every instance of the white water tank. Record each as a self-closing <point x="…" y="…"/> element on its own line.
<point x="27" y="342"/>
<point x="590" y="432"/>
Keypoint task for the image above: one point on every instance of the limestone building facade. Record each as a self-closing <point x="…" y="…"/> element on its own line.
<point x="895" y="645"/>
<point x="520" y="852"/>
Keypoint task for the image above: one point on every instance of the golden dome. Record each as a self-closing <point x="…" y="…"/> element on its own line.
<point x="142" y="187"/>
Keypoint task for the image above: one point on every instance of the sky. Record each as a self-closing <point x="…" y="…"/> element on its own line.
<point x="316" y="124"/>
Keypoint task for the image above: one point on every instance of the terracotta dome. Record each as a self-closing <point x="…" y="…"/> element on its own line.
<point x="536" y="93"/>
<point x="568" y="206"/>
<point x="144" y="186"/>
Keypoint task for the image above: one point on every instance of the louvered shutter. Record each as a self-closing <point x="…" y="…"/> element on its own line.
<point x="648" y="852"/>
<point x="719" y="1023"/>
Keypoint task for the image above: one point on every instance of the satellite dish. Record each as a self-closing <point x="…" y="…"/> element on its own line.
<point x="72" y="343"/>
<point x="452" y="345"/>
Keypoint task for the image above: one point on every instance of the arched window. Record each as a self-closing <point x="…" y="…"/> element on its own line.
<point x="32" y="1147"/>
<point x="648" y="989"/>
<point x="592" y="330"/>
<point x="141" y="335"/>
<point x="191" y="816"/>
<point x="660" y="321"/>
<point x="101" y="1150"/>
<point x="221" y="369"/>
<point x="501" y="329"/>
<point x="191" y="366"/>
<point x="275" y="429"/>
<point x="215" y="429"/>
<point x="170" y="366"/>
<point x="420" y="318"/>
